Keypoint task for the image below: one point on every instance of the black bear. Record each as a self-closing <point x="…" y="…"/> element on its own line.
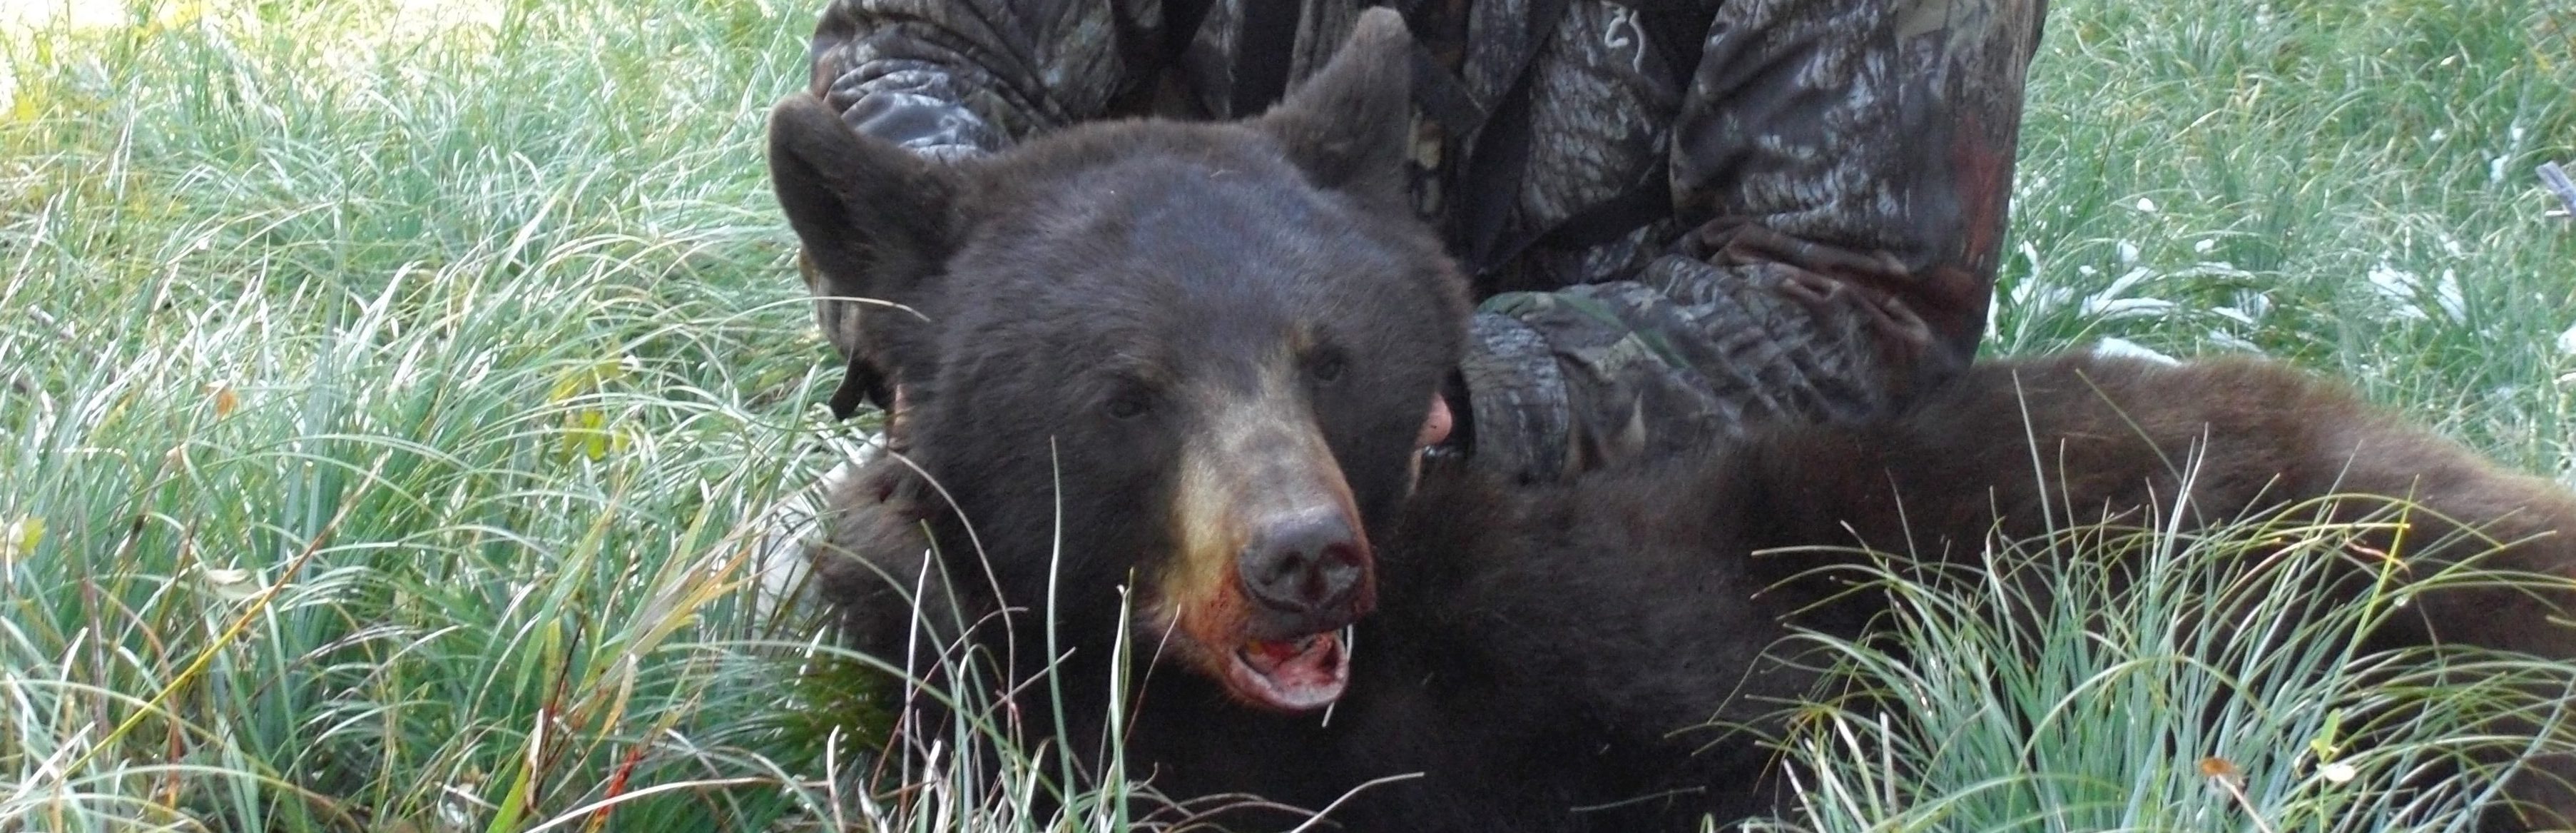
<point x="1170" y="377"/>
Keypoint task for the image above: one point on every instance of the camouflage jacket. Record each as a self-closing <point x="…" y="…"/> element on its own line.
<point x="1683" y="216"/>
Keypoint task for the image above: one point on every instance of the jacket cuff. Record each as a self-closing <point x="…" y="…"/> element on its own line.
<point x="1517" y="397"/>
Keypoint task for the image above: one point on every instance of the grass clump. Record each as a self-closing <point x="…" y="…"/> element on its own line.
<point x="390" y="392"/>
<point x="385" y="407"/>
<point x="2120" y="677"/>
<point x="2346" y="184"/>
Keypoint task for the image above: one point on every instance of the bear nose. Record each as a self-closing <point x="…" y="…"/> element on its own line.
<point x="1304" y="563"/>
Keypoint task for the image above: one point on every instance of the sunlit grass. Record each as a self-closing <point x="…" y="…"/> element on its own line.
<point x="395" y="404"/>
<point x="2347" y="184"/>
<point x="2147" y="679"/>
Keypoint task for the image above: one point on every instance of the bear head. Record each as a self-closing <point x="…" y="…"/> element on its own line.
<point x="1217" y="342"/>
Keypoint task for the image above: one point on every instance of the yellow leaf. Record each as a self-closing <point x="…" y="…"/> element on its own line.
<point x="182" y="14"/>
<point x="585" y="433"/>
<point x="589" y="379"/>
<point x="174" y="16"/>
<point x="19" y="539"/>
<point x="225" y="399"/>
<point x="236" y="585"/>
<point x="2217" y="767"/>
<point x="27" y="96"/>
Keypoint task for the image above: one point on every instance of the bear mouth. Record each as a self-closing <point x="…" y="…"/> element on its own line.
<point x="1293" y="675"/>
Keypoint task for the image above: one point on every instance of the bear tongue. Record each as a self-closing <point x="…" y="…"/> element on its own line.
<point x="1295" y="674"/>
<point x="1266" y="656"/>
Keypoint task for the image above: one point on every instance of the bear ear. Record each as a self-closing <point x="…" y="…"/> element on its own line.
<point x="1349" y="124"/>
<point x="874" y="220"/>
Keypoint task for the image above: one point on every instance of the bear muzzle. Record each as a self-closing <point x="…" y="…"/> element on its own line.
<point x="1272" y="561"/>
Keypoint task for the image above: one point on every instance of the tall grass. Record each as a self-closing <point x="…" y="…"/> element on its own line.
<point x="2347" y="184"/>
<point x="389" y="391"/>
<point x="385" y="406"/>
<point x="2135" y="677"/>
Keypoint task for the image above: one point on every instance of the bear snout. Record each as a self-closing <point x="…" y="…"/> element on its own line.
<point x="1307" y="564"/>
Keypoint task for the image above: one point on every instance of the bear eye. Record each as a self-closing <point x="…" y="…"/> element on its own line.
<point x="1127" y="405"/>
<point x="1326" y="367"/>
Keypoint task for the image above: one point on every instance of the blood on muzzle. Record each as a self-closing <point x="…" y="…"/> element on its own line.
<point x="1270" y="542"/>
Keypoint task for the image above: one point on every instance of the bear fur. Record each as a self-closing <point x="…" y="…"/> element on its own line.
<point x="1171" y="376"/>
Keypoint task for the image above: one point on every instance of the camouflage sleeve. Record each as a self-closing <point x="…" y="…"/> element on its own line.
<point x="953" y="78"/>
<point x="1855" y="158"/>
